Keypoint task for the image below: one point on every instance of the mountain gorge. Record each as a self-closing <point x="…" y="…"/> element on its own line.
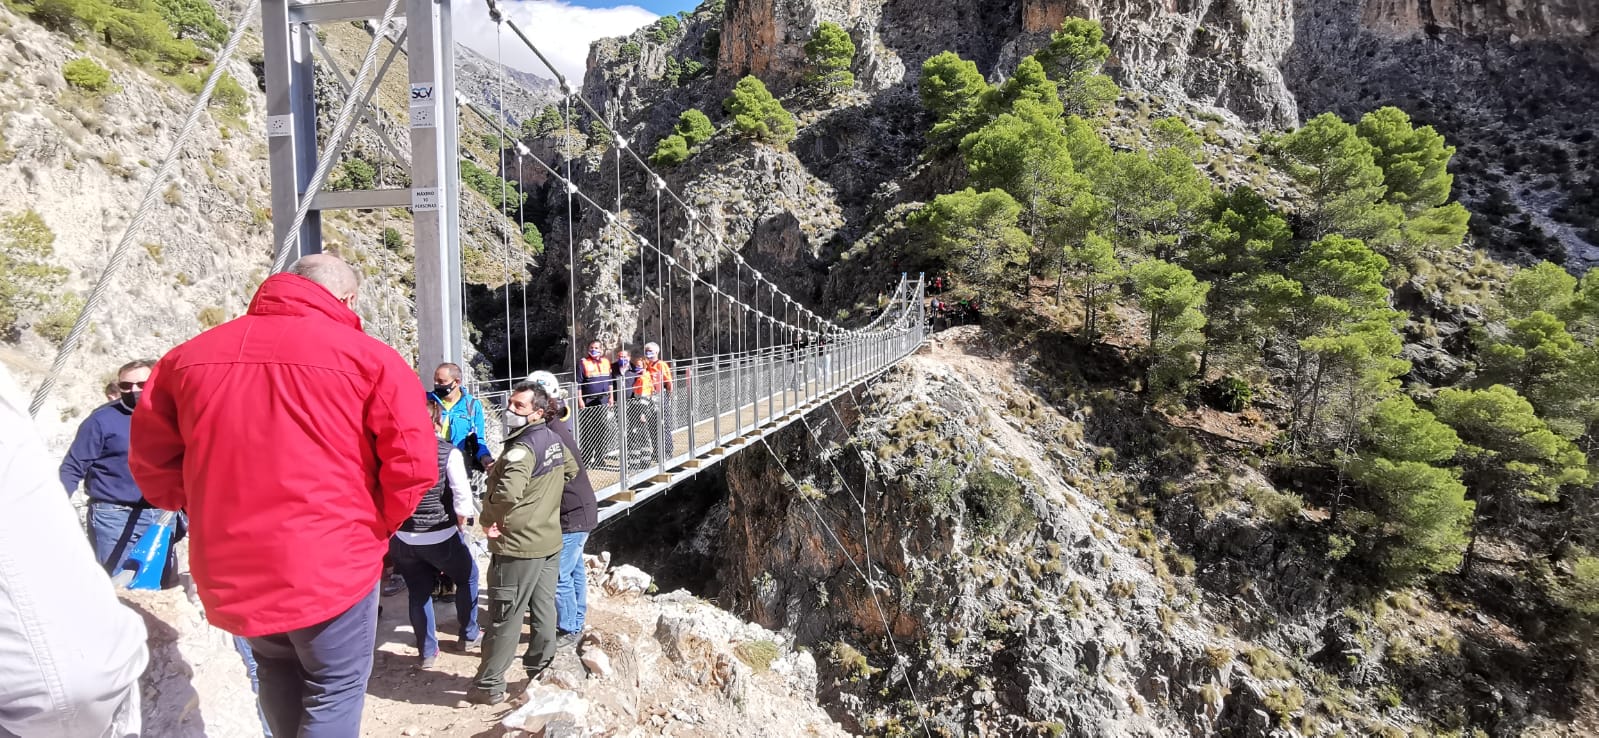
<point x="1268" y="424"/>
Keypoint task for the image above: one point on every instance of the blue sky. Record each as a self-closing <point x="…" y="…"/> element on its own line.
<point x="658" y="7"/>
<point x="562" y="29"/>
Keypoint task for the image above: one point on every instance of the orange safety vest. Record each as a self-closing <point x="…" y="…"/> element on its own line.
<point x="593" y="367"/>
<point x="656" y="377"/>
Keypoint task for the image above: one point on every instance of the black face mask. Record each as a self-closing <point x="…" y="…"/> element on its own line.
<point x="130" y="400"/>
<point x="443" y="390"/>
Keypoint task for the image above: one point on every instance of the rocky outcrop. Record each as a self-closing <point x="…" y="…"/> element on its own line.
<point x="1515" y="21"/>
<point x="1216" y="53"/>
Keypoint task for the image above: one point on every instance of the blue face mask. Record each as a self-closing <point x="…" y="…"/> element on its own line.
<point x="594" y="353"/>
<point x="649" y="354"/>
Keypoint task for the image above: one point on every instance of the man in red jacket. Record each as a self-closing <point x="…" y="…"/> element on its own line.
<point x="297" y="445"/>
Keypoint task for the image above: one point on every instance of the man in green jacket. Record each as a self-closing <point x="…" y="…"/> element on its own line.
<point x="521" y="517"/>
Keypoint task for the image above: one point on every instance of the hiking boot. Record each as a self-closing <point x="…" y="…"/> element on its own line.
<point x="567" y="641"/>
<point x="394" y="585"/>
<point x="427" y="662"/>
<point x="473" y="646"/>
<point x="477" y="696"/>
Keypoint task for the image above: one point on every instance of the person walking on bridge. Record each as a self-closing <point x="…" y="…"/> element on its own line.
<point x="297" y="445"/>
<point x="594" y="375"/>
<point x="654" y="385"/>
<point x="522" y="522"/>
<point x="463" y="421"/>
<point x="118" y="513"/>
<point x="579" y="516"/>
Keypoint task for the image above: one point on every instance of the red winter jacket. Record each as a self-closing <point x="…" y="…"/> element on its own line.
<point x="297" y="444"/>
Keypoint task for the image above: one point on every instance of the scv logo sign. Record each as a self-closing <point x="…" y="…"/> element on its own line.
<point x="421" y="93"/>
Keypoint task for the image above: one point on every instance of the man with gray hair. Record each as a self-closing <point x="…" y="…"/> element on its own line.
<point x="298" y="446"/>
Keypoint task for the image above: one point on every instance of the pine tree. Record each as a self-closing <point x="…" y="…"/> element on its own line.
<point x="829" y="53"/>
<point x="1172" y="298"/>
<point x="952" y="90"/>
<point x="1509" y="454"/>
<point x="1028" y="83"/>
<point x="977" y="233"/>
<point x="1543" y="286"/>
<point x="1423" y="516"/>
<point x="194" y="19"/>
<point x="1095" y="272"/>
<point x="757" y="115"/>
<point x="1174" y="133"/>
<point x="1341" y="184"/>
<point x="1232" y="253"/>
<point x="1414" y="161"/>
<point x="1018" y="152"/>
<point x="1157" y="202"/>
<point x="1073" y="59"/>
<point x="671" y="151"/>
<point x="695" y="127"/>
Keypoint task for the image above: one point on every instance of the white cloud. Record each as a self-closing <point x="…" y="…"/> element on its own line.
<point x="562" y="32"/>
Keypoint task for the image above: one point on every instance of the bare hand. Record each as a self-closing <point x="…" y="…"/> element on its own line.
<point x="487" y="462"/>
<point x="493" y="531"/>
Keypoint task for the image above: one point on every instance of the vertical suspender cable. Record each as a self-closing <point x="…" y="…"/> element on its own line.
<point x="571" y="248"/>
<point x="499" y="168"/>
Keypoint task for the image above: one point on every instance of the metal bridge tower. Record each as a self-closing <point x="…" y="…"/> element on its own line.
<point x="290" y="48"/>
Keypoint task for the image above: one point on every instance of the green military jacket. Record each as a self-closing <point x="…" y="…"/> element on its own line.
<point x="524" y="497"/>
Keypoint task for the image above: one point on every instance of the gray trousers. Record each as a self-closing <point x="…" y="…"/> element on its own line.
<point x="518" y="586"/>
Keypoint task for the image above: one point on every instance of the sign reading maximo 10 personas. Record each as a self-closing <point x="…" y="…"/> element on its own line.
<point x="423" y="106"/>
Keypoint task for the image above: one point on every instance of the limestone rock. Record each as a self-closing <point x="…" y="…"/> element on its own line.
<point x="627" y="579"/>
<point x="545" y="705"/>
<point x="597" y="662"/>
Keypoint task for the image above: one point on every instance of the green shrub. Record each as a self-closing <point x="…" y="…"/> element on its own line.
<point x="1229" y="394"/>
<point x="533" y="239"/>
<point x="758" y="115"/>
<point x="55" y="326"/>
<point x="355" y="174"/>
<point x="27" y="279"/>
<point x="829" y="54"/>
<point x="392" y="240"/>
<point x="137" y="28"/>
<point x="664" y="29"/>
<point x="629" y="51"/>
<point x="492" y="187"/>
<point x="993" y="501"/>
<point x="1275" y="506"/>
<point x="694" y="126"/>
<point x="671" y="151"/>
<point x="86" y="74"/>
<point x="230" y="96"/>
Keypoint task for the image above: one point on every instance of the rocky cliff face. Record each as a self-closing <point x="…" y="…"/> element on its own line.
<point x="1515" y="21"/>
<point x="1216" y="53"/>
<point x="1508" y="81"/>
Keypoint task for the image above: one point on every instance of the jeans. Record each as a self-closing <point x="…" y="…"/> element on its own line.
<point x="242" y="645"/>
<point x="571" y="585"/>
<point x="517" y="586"/>
<point x="419" y="566"/>
<point x="114" y="529"/>
<point x="313" y="680"/>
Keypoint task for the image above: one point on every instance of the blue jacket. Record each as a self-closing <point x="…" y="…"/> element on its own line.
<point x="99" y="457"/>
<point x="466" y="421"/>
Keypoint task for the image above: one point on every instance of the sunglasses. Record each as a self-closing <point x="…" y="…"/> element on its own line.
<point x="130" y="386"/>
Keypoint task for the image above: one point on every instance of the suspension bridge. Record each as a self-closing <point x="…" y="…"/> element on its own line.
<point x="749" y="359"/>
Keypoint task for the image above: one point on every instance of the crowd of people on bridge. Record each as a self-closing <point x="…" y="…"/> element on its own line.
<point x="301" y="456"/>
